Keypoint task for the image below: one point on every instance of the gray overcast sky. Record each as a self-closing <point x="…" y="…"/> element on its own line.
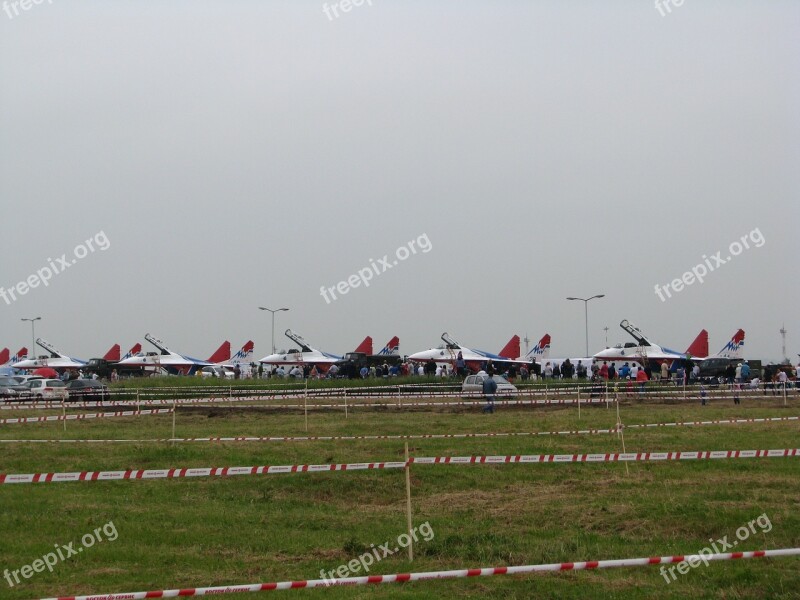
<point x="238" y="154"/>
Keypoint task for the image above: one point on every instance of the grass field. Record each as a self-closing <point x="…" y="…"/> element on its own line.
<point x="216" y="531"/>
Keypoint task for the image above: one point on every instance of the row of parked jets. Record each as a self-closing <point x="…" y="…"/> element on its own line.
<point x="642" y="351"/>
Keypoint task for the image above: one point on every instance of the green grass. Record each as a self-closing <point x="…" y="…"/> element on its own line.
<point x="215" y="531"/>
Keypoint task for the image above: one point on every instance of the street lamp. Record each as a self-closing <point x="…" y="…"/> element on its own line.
<point x="586" y="315"/>
<point x="33" y="336"/>
<point x="273" y="311"/>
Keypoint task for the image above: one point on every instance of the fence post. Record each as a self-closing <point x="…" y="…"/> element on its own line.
<point x="620" y="433"/>
<point x="408" y="507"/>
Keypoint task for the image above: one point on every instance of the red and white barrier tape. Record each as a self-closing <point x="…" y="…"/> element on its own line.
<point x="333" y="438"/>
<point x="454" y="574"/>
<point x="185" y="472"/>
<point x="85" y="416"/>
<point x="712" y="422"/>
<point x="214" y="403"/>
<point x="422" y="436"/>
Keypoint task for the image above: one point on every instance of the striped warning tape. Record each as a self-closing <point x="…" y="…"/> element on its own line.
<point x="712" y="422"/>
<point x="237" y="402"/>
<point x="176" y="473"/>
<point x="422" y="436"/>
<point x="691" y="559"/>
<point x="86" y="416"/>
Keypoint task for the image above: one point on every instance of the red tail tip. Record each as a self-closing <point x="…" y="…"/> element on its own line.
<point x="222" y="354"/>
<point x="113" y="353"/>
<point x="365" y="346"/>
<point x="511" y="349"/>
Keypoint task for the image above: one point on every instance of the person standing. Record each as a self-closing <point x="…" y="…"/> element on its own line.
<point x="460" y="364"/>
<point x="489" y="389"/>
<point x="745" y="371"/>
<point x="641" y="377"/>
<point x="567" y="369"/>
<point x="580" y="369"/>
<point x="604" y="371"/>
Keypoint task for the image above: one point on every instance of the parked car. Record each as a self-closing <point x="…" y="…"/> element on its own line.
<point x="473" y="385"/>
<point x="45" y="389"/>
<point x="87" y="389"/>
<point x="10" y="388"/>
<point x="23" y="379"/>
<point x="216" y="372"/>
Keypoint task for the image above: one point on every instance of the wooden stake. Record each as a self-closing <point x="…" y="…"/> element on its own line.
<point x="620" y="434"/>
<point x="408" y="508"/>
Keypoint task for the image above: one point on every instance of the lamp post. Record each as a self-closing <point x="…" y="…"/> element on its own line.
<point x="33" y="335"/>
<point x="586" y="315"/>
<point x="273" y="311"/>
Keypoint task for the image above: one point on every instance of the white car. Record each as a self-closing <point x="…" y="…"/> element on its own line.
<point x="216" y="372"/>
<point x="473" y="386"/>
<point x="45" y="389"/>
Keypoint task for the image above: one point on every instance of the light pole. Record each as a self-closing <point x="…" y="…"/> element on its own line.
<point x="586" y="315"/>
<point x="33" y="335"/>
<point x="273" y="311"/>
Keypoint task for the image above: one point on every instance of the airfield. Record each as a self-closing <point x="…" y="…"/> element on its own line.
<point x="546" y="479"/>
